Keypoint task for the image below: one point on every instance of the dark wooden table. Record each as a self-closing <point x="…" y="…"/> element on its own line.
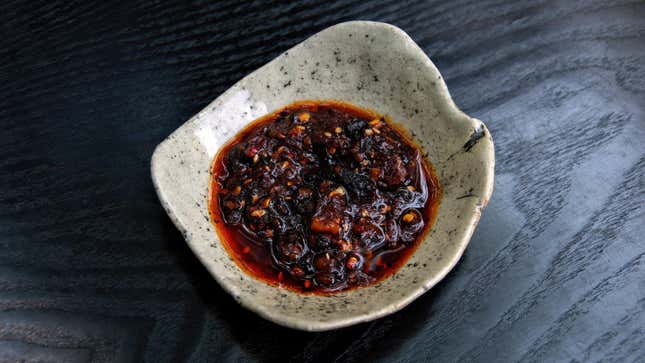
<point x="91" y="268"/>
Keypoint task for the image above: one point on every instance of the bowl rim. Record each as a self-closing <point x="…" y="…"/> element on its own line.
<point x="441" y="92"/>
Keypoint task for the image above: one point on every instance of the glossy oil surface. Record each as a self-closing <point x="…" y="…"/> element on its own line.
<point x="322" y="196"/>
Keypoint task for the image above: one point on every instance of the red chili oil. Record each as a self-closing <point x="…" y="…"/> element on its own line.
<point x="322" y="196"/>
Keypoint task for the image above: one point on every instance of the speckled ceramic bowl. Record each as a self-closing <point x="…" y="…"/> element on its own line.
<point x="373" y="65"/>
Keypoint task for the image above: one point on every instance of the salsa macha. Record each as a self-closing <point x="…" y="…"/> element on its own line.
<point x="322" y="196"/>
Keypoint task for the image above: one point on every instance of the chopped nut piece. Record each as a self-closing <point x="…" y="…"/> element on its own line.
<point x="248" y="181"/>
<point x="290" y="183"/>
<point x="338" y="130"/>
<point x="409" y="217"/>
<point x="376" y="130"/>
<point x="268" y="233"/>
<point x="237" y="190"/>
<point x="285" y="164"/>
<point x="258" y="213"/>
<point x="411" y="188"/>
<point x="254" y="198"/>
<point x="352" y="263"/>
<point x="266" y="202"/>
<point x="369" y="132"/>
<point x="304" y="117"/>
<point x="256" y="157"/>
<point x="327" y="133"/>
<point x="337" y="191"/>
<point x="376" y="122"/>
<point x="365" y="213"/>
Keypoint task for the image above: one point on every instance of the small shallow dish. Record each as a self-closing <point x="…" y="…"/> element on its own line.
<point x="372" y="65"/>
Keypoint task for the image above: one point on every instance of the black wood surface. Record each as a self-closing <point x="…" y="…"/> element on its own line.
<point x="91" y="268"/>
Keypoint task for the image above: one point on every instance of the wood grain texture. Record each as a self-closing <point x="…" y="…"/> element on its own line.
<point x="91" y="269"/>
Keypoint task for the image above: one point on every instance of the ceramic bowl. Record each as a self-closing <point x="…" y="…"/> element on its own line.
<point x="373" y="65"/>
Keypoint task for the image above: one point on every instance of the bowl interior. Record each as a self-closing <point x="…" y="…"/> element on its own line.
<point x="372" y="65"/>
